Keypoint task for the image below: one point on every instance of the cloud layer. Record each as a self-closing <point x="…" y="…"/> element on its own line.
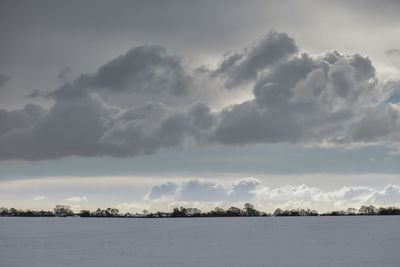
<point x="329" y="99"/>
<point x="206" y="194"/>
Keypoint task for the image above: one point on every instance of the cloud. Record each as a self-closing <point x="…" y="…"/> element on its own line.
<point x="162" y="191"/>
<point x="304" y="196"/>
<point x="76" y="199"/>
<point x="144" y="69"/>
<point x="19" y="118"/>
<point x="69" y="127"/>
<point x="328" y="99"/>
<point x="245" y="66"/>
<point x="4" y="79"/>
<point x="393" y="52"/>
<point x="313" y="99"/>
<point x="36" y="93"/>
<point x="197" y="190"/>
<point x="146" y="129"/>
<point x="210" y="194"/>
<point x="192" y="190"/>
<point x="64" y="73"/>
<point x="38" y="198"/>
<point x="388" y="195"/>
<point x="85" y="125"/>
<point x="244" y="188"/>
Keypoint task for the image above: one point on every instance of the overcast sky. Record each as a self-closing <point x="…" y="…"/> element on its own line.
<point x="151" y="104"/>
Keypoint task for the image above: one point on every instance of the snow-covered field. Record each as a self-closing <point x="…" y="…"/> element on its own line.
<point x="192" y="242"/>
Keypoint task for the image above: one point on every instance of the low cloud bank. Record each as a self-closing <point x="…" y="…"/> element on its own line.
<point x="207" y="195"/>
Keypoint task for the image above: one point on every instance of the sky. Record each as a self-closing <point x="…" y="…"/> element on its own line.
<point x="157" y="104"/>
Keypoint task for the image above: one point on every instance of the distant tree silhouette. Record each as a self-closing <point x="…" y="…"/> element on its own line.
<point x="389" y="211"/>
<point x="351" y="211"/>
<point x="249" y="210"/>
<point x="218" y="212"/>
<point x="3" y="211"/>
<point x="62" y="211"/>
<point x="193" y="212"/>
<point x="233" y="211"/>
<point x="368" y="210"/>
<point x="179" y="212"/>
<point x="84" y="213"/>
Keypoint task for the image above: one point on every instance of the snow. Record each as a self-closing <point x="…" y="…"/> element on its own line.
<point x="192" y="242"/>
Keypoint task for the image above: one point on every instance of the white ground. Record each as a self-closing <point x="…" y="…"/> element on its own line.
<point x="75" y="242"/>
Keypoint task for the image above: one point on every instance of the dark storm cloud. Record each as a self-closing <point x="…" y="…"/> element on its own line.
<point x="243" y="67"/>
<point x="4" y="79"/>
<point x="329" y="98"/>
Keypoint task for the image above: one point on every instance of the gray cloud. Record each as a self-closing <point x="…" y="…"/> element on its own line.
<point x="36" y="93"/>
<point x="70" y="127"/>
<point x="19" y="118"/>
<point x="144" y="69"/>
<point x="199" y="190"/>
<point x="393" y="52"/>
<point x="84" y="125"/>
<point x="244" y="189"/>
<point x="64" y="73"/>
<point x="388" y="195"/>
<point x="244" y="67"/>
<point x="329" y="98"/>
<point x="146" y="129"/>
<point x="192" y="190"/>
<point x="4" y="79"/>
<point x="161" y="191"/>
<point x="311" y="99"/>
<point x="196" y="190"/>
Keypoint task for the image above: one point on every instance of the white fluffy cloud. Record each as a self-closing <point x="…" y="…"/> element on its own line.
<point x="39" y="198"/>
<point x="208" y="195"/>
<point x="76" y="199"/>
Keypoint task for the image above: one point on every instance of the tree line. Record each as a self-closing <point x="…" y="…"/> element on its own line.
<point x="248" y="210"/>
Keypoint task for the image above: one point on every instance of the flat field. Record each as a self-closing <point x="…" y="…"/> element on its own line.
<point x="194" y="242"/>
